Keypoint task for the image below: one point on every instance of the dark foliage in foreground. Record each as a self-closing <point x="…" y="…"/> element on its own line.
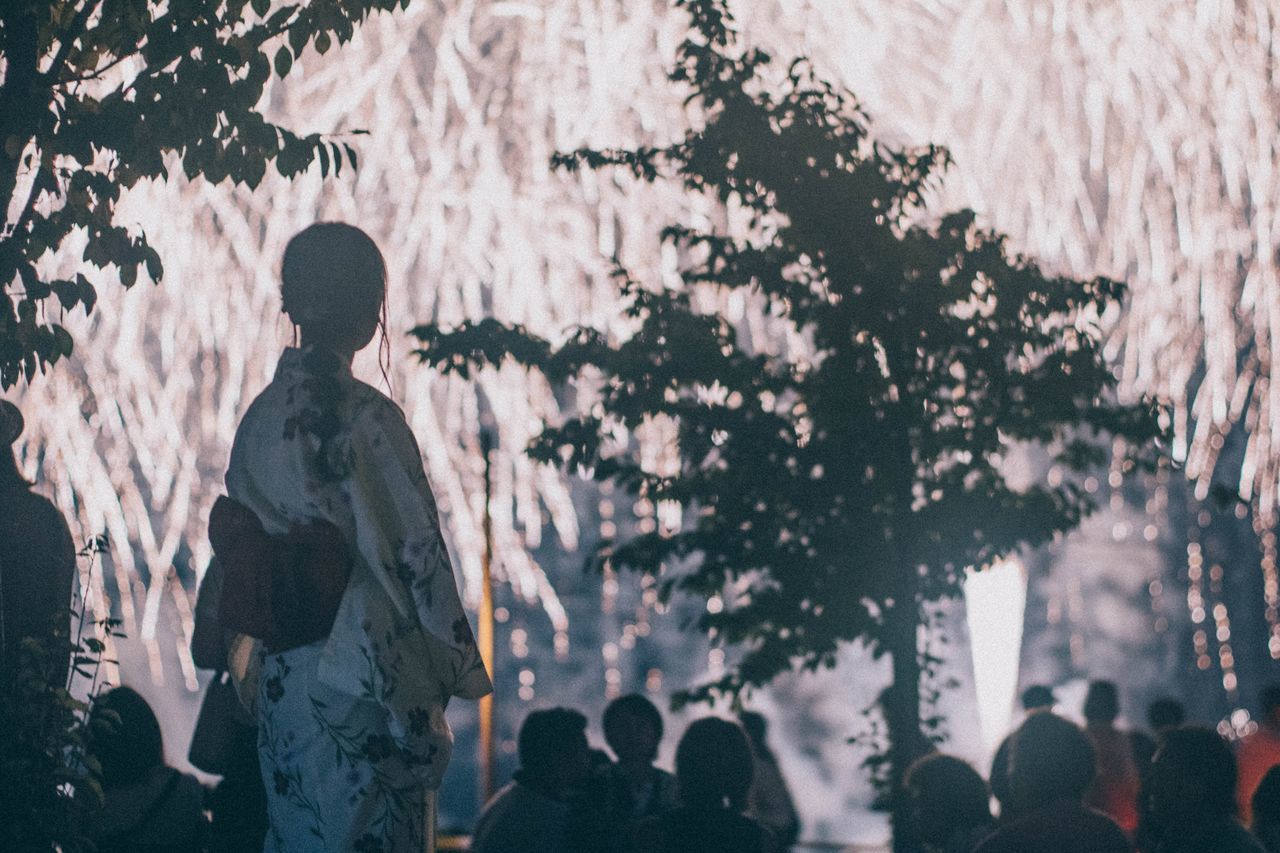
<point x="97" y="95"/>
<point x="50" y="785"/>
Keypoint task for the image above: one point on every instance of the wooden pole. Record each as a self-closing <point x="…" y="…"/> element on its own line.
<point x="485" y="628"/>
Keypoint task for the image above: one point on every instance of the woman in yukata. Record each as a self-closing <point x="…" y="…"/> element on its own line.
<point x="352" y="736"/>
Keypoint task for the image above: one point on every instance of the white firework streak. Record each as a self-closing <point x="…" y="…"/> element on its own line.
<point x="1130" y="139"/>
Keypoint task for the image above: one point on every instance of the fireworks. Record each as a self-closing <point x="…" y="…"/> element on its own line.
<point x="1129" y="139"/>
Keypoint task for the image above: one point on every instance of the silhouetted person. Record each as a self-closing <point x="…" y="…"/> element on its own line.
<point x="534" y="811"/>
<point x="1052" y="766"/>
<point x="37" y="559"/>
<point x="352" y="736"/>
<point x="1259" y="752"/>
<point x="148" y="807"/>
<point x="950" y="803"/>
<point x="1037" y="697"/>
<point x="1116" y="784"/>
<point x="1266" y="811"/>
<point x="714" y="770"/>
<point x="637" y="789"/>
<point x="770" y="802"/>
<point x="1193" y="780"/>
<point x="1163" y="716"/>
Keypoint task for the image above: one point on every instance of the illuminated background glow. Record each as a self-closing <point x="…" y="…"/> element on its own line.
<point x="1107" y="137"/>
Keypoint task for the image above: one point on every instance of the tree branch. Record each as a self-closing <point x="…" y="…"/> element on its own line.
<point x="74" y="31"/>
<point x="97" y="73"/>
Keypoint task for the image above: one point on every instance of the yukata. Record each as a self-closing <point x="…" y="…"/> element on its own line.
<point x="352" y="738"/>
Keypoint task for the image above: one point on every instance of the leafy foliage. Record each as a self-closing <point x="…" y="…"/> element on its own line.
<point x="49" y="783"/>
<point x="851" y="466"/>
<point x="96" y="96"/>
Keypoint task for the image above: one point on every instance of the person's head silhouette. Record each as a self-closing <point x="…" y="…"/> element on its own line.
<point x="11" y="426"/>
<point x="1102" y="702"/>
<point x="947" y="796"/>
<point x="1037" y="696"/>
<point x="125" y="737"/>
<point x="713" y="765"/>
<point x="756" y="725"/>
<point x="1051" y="760"/>
<point x="1193" y="778"/>
<point x="1271" y="705"/>
<point x="1266" y="809"/>
<point x="553" y="751"/>
<point x="1165" y="713"/>
<point x="334" y="287"/>
<point x="633" y="729"/>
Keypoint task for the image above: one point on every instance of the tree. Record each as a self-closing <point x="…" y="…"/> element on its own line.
<point x="96" y="96"/>
<point x="836" y="477"/>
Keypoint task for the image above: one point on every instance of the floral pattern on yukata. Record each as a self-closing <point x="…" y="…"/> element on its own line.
<point x="370" y="699"/>
<point x="335" y="778"/>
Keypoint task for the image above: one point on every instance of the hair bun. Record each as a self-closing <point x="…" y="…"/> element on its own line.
<point x="11" y="423"/>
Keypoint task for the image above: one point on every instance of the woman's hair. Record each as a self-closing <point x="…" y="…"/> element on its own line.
<point x="125" y="737"/>
<point x="333" y="277"/>
<point x="713" y="764"/>
<point x="333" y="286"/>
<point x="332" y="274"/>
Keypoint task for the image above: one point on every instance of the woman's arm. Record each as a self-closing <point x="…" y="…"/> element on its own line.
<point x="399" y="536"/>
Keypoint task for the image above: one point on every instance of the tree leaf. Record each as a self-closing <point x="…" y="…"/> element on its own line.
<point x="155" y="268"/>
<point x="65" y="344"/>
<point x="88" y="293"/>
<point x="283" y="61"/>
<point x="298" y="39"/>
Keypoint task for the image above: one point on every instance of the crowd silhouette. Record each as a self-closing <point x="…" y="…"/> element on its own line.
<point x="1178" y="788"/>
<point x="35" y="599"/>
<point x="1170" y="790"/>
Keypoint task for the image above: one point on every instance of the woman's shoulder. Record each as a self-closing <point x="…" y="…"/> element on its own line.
<point x="376" y="420"/>
<point x="368" y="403"/>
<point x="265" y="412"/>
